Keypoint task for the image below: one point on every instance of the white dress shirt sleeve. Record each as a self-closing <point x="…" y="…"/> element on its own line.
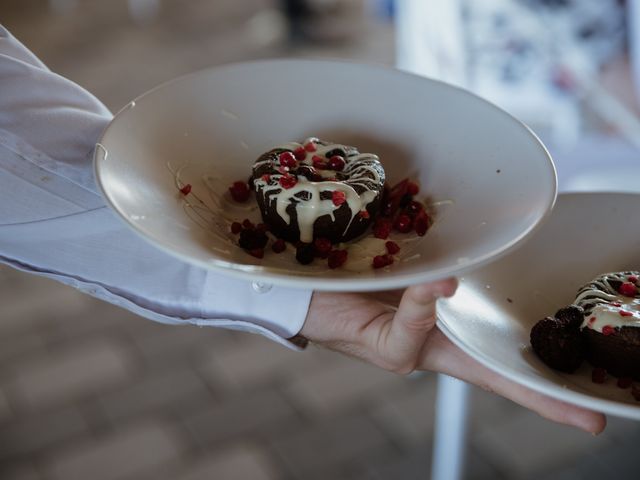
<point x="55" y="224"/>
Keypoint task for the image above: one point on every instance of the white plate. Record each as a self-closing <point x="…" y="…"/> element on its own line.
<point x="492" y="313"/>
<point x="497" y="175"/>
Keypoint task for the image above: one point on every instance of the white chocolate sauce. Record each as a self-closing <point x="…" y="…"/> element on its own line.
<point x="605" y="306"/>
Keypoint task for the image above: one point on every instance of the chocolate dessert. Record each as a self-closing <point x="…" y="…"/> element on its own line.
<point x="317" y="189"/>
<point x="603" y="326"/>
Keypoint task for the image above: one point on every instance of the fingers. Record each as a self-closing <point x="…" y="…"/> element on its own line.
<point x="411" y="324"/>
<point x="442" y="356"/>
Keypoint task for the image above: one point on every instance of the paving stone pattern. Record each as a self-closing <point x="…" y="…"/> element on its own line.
<point x="88" y="391"/>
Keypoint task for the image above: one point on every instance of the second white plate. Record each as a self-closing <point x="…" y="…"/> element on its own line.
<point x="492" y="313"/>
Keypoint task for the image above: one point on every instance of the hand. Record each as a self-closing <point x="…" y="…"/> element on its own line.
<point x="397" y="331"/>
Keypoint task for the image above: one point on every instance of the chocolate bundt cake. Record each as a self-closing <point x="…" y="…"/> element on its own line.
<point x="317" y="189"/>
<point x="603" y="326"/>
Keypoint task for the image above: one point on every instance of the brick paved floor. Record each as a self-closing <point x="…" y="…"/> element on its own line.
<point x="88" y="391"/>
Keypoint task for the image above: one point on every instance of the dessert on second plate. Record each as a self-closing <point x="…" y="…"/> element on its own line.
<point x="602" y="326"/>
<point x="317" y="189"/>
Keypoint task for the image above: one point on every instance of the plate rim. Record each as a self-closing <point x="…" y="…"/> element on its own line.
<point x="337" y="284"/>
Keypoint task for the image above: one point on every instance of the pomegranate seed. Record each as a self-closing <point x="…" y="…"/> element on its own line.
<point x="236" y="227"/>
<point x="628" y="289"/>
<point x="186" y="190"/>
<point x="279" y="246"/>
<point x="598" y="375"/>
<point x="266" y="178"/>
<point x="337" y="258"/>
<point x="381" y="261"/>
<point x="592" y="320"/>
<point x="616" y="304"/>
<point x="392" y="247"/>
<point x="310" y="147"/>
<point x="382" y="228"/>
<point x="322" y="247"/>
<point x="632" y="279"/>
<point x="403" y="223"/>
<point x="300" y="153"/>
<point x="262" y="227"/>
<point x="336" y="163"/>
<point x="624" y="313"/>
<point x="288" y="181"/>
<point x="256" y="252"/>
<point x="364" y="214"/>
<point x="635" y="391"/>
<point x="246" y="223"/>
<point x="421" y="223"/>
<point x="412" y="188"/>
<point x="414" y="207"/>
<point x="319" y="162"/>
<point x="287" y="159"/>
<point x="607" y="330"/>
<point x="624" y="382"/>
<point x="338" y="198"/>
<point x="239" y="191"/>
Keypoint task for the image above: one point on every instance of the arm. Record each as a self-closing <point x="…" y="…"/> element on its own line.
<point x="54" y="223"/>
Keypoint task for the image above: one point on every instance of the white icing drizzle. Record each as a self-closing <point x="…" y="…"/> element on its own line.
<point x="360" y="174"/>
<point x="603" y="304"/>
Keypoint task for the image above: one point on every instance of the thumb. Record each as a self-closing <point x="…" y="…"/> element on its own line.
<point x="414" y="320"/>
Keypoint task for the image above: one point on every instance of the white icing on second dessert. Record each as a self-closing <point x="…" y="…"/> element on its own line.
<point x="312" y="206"/>
<point x="605" y="306"/>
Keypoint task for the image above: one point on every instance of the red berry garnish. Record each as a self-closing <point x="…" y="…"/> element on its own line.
<point x="607" y="330"/>
<point x="319" y="162"/>
<point x="300" y="153"/>
<point x="364" y="214"/>
<point x="186" y="190"/>
<point x="256" y="252"/>
<point x="236" y="227"/>
<point x="287" y="159"/>
<point x="262" y="227"/>
<point x="616" y="304"/>
<point x="266" y="178"/>
<point x="403" y="223"/>
<point x="322" y="247"/>
<point x="632" y="279"/>
<point x="393" y="197"/>
<point x="381" y="261"/>
<point x="598" y="375"/>
<point x="412" y="188"/>
<point x="288" y="181"/>
<point x="310" y="146"/>
<point x="624" y="382"/>
<point x="628" y="289"/>
<point x="421" y="223"/>
<point x="239" y="191"/>
<point x="337" y="258"/>
<point x="392" y="247"/>
<point x="336" y="163"/>
<point x="382" y="228"/>
<point x="246" y="223"/>
<point x="624" y="313"/>
<point x="338" y="198"/>
<point x="279" y="246"/>
<point x="414" y="207"/>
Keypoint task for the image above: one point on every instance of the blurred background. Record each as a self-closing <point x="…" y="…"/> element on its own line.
<point x="88" y="391"/>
